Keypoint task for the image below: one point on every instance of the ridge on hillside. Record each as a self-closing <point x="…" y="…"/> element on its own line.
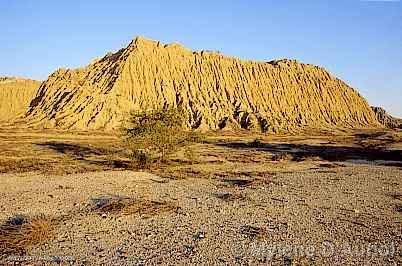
<point x="216" y="92"/>
<point x="15" y="96"/>
<point x="386" y="119"/>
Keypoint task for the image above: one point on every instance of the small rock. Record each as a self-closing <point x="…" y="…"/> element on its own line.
<point x="99" y="249"/>
<point x="199" y="236"/>
<point x="121" y="253"/>
<point x="189" y="248"/>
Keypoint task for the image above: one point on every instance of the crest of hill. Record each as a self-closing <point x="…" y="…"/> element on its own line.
<point x="216" y="92"/>
<point x="15" y="96"/>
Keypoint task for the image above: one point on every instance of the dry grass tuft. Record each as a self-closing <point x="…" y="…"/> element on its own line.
<point x="22" y="165"/>
<point x="227" y="196"/>
<point x="180" y="173"/>
<point x="19" y="233"/>
<point x="128" y="206"/>
<point x="254" y="232"/>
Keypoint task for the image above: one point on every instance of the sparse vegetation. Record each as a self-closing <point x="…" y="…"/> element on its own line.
<point x="21" y="165"/>
<point x="254" y="232"/>
<point x="234" y="176"/>
<point x="142" y="158"/>
<point x="283" y="156"/>
<point x="116" y="204"/>
<point x="227" y="196"/>
<point x="155" y="135"/>
<point x="19" y="233"/>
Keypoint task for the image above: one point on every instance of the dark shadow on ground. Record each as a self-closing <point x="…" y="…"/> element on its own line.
<point x="376" y="139"/>
<point x="301" y="152"/>
<point x="86" y="154"/>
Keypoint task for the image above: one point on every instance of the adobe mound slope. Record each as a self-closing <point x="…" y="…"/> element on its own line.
<point x="386" y="119"/>
<point x="15" y="97"/>
<point x="215" y="92"/>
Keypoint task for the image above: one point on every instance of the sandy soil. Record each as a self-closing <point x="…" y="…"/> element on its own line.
<point x="236" y="205"/>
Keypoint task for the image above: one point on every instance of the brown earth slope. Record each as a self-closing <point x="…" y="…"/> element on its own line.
<point x="386" y="119"/>
<point x="15" y="96"/>
<point x="214" y="90"/>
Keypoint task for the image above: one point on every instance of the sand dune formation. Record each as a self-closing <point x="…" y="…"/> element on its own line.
<point x="216" y="92"/>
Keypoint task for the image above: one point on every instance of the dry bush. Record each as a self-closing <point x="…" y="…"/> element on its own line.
<point x="141" y="158"/>
<point x="153" y="136"/>
<point x="128" y="206"/>
<point x="19" y="233"/>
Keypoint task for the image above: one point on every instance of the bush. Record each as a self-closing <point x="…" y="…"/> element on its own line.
<point x="155" y="135"/>
<point x="141" y="158"/>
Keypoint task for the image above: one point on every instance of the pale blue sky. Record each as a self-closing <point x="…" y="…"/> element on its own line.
<point x="358" y="41"/>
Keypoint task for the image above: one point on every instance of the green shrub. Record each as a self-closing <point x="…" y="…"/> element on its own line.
<point x="153" y="136"/>
<point x="141" y="158"/>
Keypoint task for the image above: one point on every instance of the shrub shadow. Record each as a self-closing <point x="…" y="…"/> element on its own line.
<point x="86" y="154"/>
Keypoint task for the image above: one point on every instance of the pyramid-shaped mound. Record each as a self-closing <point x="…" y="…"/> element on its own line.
<point x="214" y="90"/>
<point x="15" y="97"/>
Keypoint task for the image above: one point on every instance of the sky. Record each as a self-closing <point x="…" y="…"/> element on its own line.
<point x="358" y="41"/>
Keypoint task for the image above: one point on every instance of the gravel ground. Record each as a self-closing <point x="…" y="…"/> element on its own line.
<point x="339" y="215"/>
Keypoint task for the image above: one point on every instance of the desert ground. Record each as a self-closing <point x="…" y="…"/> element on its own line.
<point x="244" y="199"/>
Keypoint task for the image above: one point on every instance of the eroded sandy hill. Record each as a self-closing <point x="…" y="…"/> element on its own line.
<point x="386" y="119"/>
<point x="15" y="96"/>
<point x="216" y="91"/>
